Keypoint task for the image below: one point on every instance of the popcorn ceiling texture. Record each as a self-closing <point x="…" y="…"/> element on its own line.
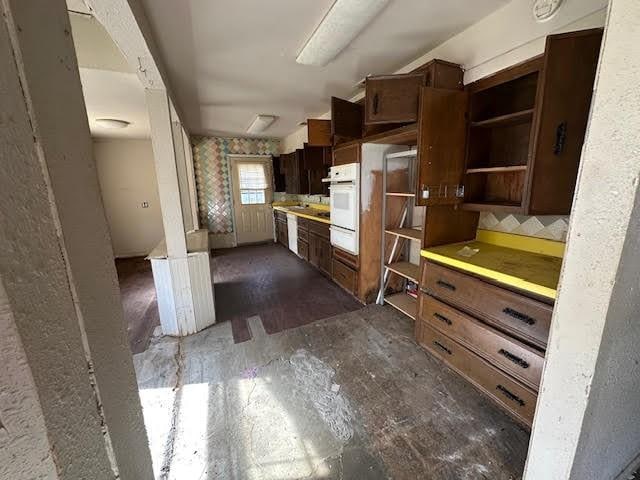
<point x="213" y="182"/>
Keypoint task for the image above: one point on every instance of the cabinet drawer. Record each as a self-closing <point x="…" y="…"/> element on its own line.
<point x="345" y="257"/>
<point x="523" y="362"/>
<point x="303" y="234"/>
<point x="347" y="154"/>
<point x="319" y="228"/>
<point x="520" y="316"/>
<point x="281" y="216"/>
<point x="303" y="249"/>
<point x="344" y="276"/>
<point x="507" y="392"/>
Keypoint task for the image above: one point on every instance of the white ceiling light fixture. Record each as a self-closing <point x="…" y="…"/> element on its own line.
<point x="339" y="27"/>
<point x="261" y="123"/>
<point x="112" y="123"/>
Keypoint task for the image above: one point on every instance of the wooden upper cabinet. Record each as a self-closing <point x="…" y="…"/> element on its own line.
<point x="568" y="76"/>
<point x="296" y="176"/>
<point x="441" y="146"/>
<point x="346" y="119"/>
<point x="316" y="170"/>
<point x="392" y="98"/>
<point x="345" y="154"/>
<point x="526" y="129"/>
<point x="279" y="183"/>
<point x="319" y="132"/>
<point x="395" y="98"/>
<point x="441" y="74"/>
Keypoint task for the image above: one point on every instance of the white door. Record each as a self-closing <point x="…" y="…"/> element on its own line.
<point x="252" y="196"/>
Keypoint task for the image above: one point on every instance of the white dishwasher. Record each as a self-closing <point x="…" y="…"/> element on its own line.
<point x="292" y="229"/>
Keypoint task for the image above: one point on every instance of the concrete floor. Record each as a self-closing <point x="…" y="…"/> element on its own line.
<point x="350" y="397"/>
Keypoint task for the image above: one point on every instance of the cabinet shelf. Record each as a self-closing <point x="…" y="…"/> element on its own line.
<point x="407" y="270"/>
<point x="505" y="169"/>
<point x="404" y="303"/>
<point x="522" y="116"/>
<point x="400" y="194"/>
<point x="408" y="233"/>
<point x="506" y="207"/>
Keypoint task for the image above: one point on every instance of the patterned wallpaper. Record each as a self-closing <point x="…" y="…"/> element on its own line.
<point x="551" y="227"/>
<point x="213" y="183"/>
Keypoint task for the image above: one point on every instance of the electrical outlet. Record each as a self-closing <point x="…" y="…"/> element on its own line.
<point x="145" y="204"/>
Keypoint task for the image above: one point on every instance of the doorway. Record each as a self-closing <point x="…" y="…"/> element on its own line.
<point x="251" y="178"/>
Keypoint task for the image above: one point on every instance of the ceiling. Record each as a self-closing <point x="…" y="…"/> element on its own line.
<point x="110" y="88"/>
<point x="228" y="60"/>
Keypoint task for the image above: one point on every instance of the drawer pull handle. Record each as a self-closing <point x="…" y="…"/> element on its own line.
<point x="446" y="285"/>
<point x="514" y="358"/>
<point x="441" y="347"/>
<point x="443" y="319"/>
<point x="376" y="100"/>
<point x="519" y="316"/>
<point x="511" y="396"/>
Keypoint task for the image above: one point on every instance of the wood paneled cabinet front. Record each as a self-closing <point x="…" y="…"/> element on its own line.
<point x="441" y="146"/>
<point x="296" y="176"/>
<point x="282" y="232"/>
<point x="320" y="247"/>
<point x="345" y="154"/>
<point x="396" y="98"/>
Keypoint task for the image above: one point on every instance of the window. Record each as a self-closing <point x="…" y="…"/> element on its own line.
<point x="253" y="183"/>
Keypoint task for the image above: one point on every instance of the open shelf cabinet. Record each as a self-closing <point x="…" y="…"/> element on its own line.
<point x="401" y="239"/>
<point x="526" y="126"/>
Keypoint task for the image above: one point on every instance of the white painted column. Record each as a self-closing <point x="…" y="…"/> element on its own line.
<point x="182" y="279"/>
<point x="588" y="415"/>
<point x="62" y="329"/>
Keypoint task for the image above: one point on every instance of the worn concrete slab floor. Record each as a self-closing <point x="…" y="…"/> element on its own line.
<point x="350" y="397"/>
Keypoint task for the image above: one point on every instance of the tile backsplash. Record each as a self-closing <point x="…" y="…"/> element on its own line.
<point x="551" y="227"/>
<point x="287" y="197"/>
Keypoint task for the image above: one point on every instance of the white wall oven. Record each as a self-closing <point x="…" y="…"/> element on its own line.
<point x="344" y="193"/>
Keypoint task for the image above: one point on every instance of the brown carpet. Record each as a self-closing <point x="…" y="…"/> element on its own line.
<point x="138" y="301"/>
<point x="270" y="281"/>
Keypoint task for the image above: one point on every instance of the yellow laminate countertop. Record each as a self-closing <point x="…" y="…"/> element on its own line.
<point x="310" y="213"/>
<point x="524" y="269"/>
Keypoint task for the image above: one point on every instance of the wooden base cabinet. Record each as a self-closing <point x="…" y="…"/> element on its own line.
<point x="345" y="270"/>
<point x="492" y="336"/>
<point x="282" y="232"/>
<point x="517" y="399"/>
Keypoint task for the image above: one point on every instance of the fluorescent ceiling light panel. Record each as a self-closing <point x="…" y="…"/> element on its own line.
<point x="261" y="123"/>
<point x="339" y="27"/>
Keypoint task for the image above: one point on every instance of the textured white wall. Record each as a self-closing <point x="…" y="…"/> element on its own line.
<point x="127" y="178"/>
<point x="56" y="261"/>
<point x="22" y="427"/>
<point x="586" y="425"/>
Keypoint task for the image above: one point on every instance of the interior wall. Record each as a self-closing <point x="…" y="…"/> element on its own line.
<point x="213" y="180"/>
<point x="127" y="177"/>
<point x="586" y="424"/>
